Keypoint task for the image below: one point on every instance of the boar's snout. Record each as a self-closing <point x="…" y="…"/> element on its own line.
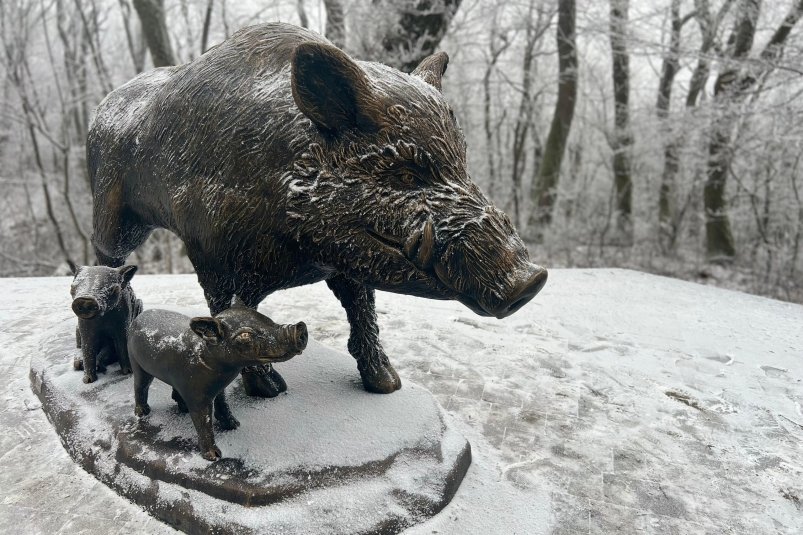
<point x="520" y="294"/>
<point x="297" y="336"/>
<point x="85" y="307"/>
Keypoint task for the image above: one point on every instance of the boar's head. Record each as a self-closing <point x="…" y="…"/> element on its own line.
<point x="383" y="194"/>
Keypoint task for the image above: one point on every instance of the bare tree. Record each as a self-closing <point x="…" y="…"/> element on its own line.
<point x="335" y="23"/>
<point x="134" y="37"/>
<point x="497" y="44"/>
<point x="622" y="139"/>
<point x="731" y="89"/>
<point x="154" y="25"/>
<point x="544" y="191"/>
<point x="670" y="211"/>
<point x="669" y="69"/>
<point x="207" y="22"/>
<point x="303" y="20"/>
<point x="421" y="24"/>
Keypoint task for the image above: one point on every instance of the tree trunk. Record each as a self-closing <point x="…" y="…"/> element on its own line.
<point x="671" y="164"/>
<point x="622" y="139"/>
<point x="544" y="191"/>
<point x="154" y="26"/>
<point x="422" y="24"/>
<point x="335" y="23"/>
<point x="303" y="20"/>
<point x="731" y="89"/>
<point x="496" y="50"/>
<point x="207" y="22"/>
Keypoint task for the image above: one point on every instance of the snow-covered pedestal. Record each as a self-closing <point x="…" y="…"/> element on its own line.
<point x="325" y="457"/>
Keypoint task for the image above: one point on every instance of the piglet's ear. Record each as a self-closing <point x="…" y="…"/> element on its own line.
<point x="73" y="268"/>
<point x="126" y="274"/>
<point x="331" y="89"/>
<point x="432" y="67"/>
<point x="210" y="329"/>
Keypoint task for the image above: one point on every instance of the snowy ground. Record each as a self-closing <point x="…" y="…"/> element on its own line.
<point x="614" y="402"/>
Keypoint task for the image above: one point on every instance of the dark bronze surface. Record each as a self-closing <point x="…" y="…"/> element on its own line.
<point x="199" y="357"/>
<point x="281" y="161"/>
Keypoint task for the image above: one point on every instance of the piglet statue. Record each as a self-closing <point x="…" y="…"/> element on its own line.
<point x="199" y="357"/>
<point x="105" y="305"/>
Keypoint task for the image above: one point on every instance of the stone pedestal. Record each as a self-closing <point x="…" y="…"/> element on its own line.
<point x="325" y="457"/>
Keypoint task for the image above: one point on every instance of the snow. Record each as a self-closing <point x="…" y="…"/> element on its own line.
<point x="615" y="400"/>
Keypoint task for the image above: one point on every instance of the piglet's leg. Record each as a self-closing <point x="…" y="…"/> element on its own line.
<point x="142" y="382"/>
<point x="202" y="419"/>
<point x="105" y="356"/>
<point x="223" y="412"/>
<point x="376" y="371"/>
<point x="89" y="351"/>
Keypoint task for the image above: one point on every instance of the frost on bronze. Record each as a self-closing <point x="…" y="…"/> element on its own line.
<point x="281" y="161"/>
<point x="105" y="305"/>
<point x="199" y="357"/>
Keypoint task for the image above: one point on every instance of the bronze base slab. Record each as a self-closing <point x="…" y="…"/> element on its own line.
<point x="325" y="457"/>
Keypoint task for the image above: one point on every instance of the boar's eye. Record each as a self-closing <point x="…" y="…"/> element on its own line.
<point x="245" y="337"/>
<point x="407" y="179"/>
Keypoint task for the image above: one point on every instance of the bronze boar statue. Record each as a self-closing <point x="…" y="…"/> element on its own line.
<point x="281" y="161"/>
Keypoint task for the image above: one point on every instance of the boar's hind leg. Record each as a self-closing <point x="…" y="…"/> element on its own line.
<point x="116" y="230"/>
<point x="375" y="369"/>
<point x="223" y="412"/>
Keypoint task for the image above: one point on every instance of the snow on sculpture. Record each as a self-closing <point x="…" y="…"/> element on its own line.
<point x="281" y="161"/>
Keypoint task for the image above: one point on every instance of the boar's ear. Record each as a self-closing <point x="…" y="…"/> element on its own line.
<point x="237" y="302"/>
<point x="208" y="328"/>
<point x="73" y="268"/>
<point x="331" y="89"/>
<point x="126" y="274"/>
<point x="432" y="67"/>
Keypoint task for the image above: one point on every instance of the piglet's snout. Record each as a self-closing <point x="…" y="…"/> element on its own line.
<point x="297" y="336"/>
<point x="85" y="307"/>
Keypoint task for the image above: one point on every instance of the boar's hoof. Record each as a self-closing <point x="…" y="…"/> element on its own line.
<point x="263" y="382"/>
<point x="78" y="364"/>
<point x="90" y="376"/>
<point x="380" y="378"/>
<point x="125" y="370"/>
<point x="213" y="454"/>
<point x="228" y="421"/>
<point x="182" y="407"/>
<point x="142" y="410"/>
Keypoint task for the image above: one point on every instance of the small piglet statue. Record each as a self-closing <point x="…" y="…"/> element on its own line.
<point x="105" y="305"/>
<point x="199" y="357"/>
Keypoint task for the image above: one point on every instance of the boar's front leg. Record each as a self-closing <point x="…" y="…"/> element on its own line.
<point x="376" y="371"/>
<point x="223" y="412"/>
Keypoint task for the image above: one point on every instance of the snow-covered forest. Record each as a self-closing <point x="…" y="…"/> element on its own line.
<point x="662" y="135"/>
